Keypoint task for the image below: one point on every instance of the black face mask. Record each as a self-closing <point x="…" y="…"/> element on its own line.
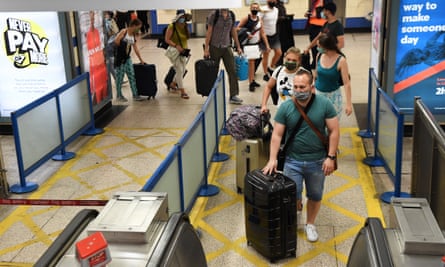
<point x="271" y="4"/>
<point x="254" y="12"/>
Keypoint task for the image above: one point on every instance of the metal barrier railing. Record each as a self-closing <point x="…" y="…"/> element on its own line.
<point x="45" y="127"/>
<point x="385" y="126"/>
<point x="428" y="161"/>
<point x="183" y="173"/>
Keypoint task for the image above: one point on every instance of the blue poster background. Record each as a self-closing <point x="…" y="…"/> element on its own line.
<point x="420" y="52"/>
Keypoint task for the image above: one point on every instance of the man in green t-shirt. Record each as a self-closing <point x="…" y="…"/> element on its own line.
<point x="306" y="156"/>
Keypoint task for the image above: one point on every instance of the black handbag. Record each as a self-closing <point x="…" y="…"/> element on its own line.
<point x="281" y="157"/>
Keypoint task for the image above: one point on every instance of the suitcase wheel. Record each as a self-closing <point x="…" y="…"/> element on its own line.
<point x="239" y="190"/>
<point x="148" y="98"/>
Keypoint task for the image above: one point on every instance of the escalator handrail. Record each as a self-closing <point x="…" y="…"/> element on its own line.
<point x="66" y="239"/>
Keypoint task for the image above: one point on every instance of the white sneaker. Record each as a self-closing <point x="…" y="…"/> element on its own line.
<point x="122" y="99"/>
<point x="311" y="232"/>
<point x="235" y="100"/>
<point x="138" y="98"/>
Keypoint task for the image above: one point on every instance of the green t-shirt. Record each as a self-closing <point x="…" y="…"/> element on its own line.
<point x="306" y="146"/>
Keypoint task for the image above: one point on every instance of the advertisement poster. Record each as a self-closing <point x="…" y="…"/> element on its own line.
<point x="31" y="58"/>
<point x="420" y="59"/>
<point x="92" y="40"/>
<point x="377" y="37"/>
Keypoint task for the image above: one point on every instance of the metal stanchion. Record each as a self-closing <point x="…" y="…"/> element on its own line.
<point x="4" y="187"/>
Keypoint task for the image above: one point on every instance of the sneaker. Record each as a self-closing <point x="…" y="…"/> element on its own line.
<point x="255" y="84"/>
<point x="266" y="77"/>
<point x="138" y="98"/>
<point x="122" y="99"/>
<point x="252" y="87"/>
<point x="311" y="232"/>
<point x="235" y="100"/>
<point x="270" y="71"/>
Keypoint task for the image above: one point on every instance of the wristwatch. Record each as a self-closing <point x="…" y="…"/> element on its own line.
<point x="332" y="157"/>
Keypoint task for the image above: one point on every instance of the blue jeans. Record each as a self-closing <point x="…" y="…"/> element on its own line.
<point x="310" y="172"/>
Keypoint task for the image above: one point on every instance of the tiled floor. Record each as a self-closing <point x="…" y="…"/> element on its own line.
<point x="137" y="140"/>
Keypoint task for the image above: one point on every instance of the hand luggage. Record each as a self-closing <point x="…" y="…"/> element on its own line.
<point x="250" y="154"/>
<point x="270" y="214"/>
<point x="242" y="67"/>
<point x="146" y="81"/>
<point x="206" y="72"/>
<point x="170" y="76"/>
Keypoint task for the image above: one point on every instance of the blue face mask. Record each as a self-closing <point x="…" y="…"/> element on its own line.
<point x="322" y="15"/>
<point x="181" y="20"/>
<point x="302" y="96"/>
<point x="320" y="50"/>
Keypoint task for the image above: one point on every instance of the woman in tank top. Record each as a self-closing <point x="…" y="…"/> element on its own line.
<point x="254" y="24"/>
<point x="331" y="68"/>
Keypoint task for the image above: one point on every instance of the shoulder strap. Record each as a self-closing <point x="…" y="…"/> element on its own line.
<point x="322" y="138"/>
<point x="278" y="72"/>
<point x="233" y="17"/>
<point x="215" y="19"/>
<point x="299" y="122"/>
<point x="177" y="34"/>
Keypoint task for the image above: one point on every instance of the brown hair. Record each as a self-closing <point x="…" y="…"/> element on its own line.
<point x="135" y="22"/>
<point x="329" y="42"/>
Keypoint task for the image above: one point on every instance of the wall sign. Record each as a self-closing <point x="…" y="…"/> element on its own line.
<point x="31" y="58"/>
<point x="420" y="58"/>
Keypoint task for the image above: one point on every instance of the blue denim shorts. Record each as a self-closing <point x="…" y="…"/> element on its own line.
<point x="308" y="171"/>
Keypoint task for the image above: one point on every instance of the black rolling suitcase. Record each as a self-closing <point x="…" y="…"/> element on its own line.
<point x="270" y="214"/>
<point x="206" y="72"/>
<point x="170" y="76"/>
<point x="146" y="81"/>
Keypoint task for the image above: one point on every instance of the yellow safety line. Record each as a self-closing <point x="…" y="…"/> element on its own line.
<point x="364" y="181"/>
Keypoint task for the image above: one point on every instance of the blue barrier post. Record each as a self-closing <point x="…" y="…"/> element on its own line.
<point x="224" y="130"/>
<point x="367" y="133"/>
<point x="375" y="161"/>
<point x="218" y="156"/>
<point x="207" y="189"/>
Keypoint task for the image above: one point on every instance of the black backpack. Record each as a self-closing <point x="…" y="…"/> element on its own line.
<point x="161" y="40"/>
<point x="215" y="19"/>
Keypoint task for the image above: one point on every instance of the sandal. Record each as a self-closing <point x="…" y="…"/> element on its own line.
<point x="185" y="96"/>
<point x="172" y="86"/>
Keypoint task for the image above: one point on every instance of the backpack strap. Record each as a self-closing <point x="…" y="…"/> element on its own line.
<point x="215" y="19"/>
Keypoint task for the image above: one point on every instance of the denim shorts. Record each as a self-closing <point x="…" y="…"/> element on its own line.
<point x="308" y="171"/>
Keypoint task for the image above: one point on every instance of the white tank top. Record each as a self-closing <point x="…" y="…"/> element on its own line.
<point x="129" y="39"/>
<point x="270" y="18"/>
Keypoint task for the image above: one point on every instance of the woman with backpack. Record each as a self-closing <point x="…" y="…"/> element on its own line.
<point x="176" y="37"/>
<point x="253" y="24"/>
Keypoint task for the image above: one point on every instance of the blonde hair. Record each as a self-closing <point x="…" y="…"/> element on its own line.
<point x="293" y="50"/>
<point x="256" y="3"/>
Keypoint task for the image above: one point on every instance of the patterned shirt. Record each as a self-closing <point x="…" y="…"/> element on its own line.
<point x="221" y="36"/>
